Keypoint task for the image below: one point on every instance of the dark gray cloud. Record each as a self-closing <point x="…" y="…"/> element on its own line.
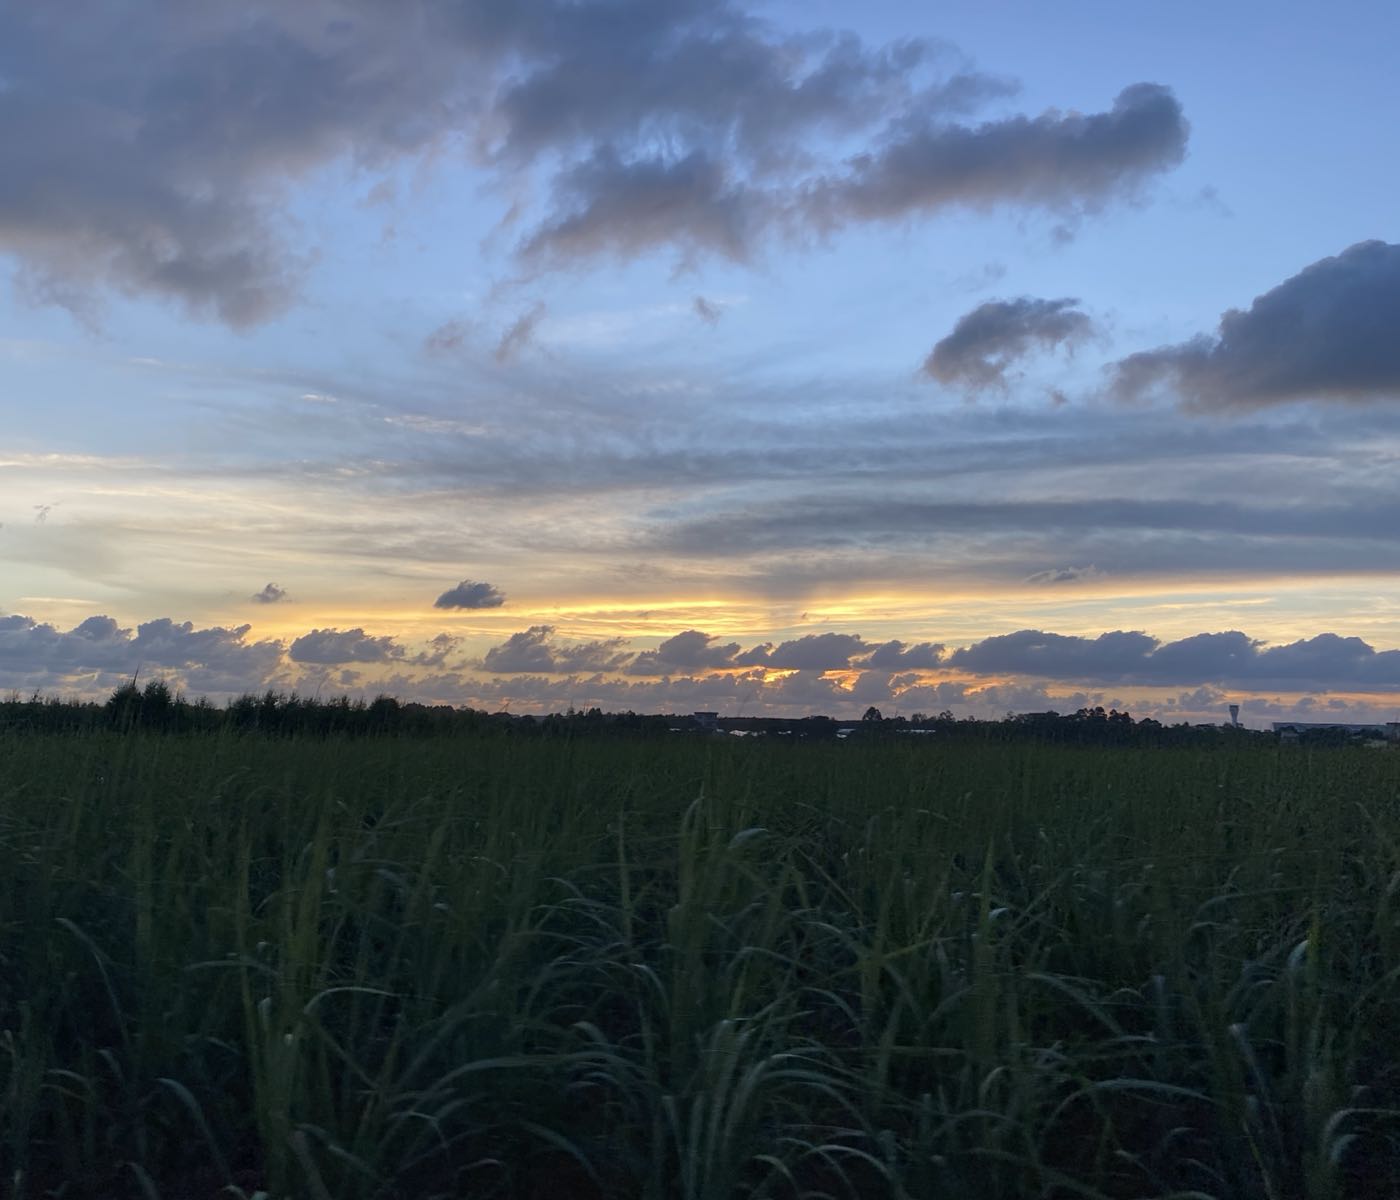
<point x="704" y="71"/>
<point x="1064" y="161"/>
<point x="987" y="340"/>
<point x="1321" y="663"/>
<point x="471" y="594"/>
<point x="520" y="333"/>
<point x="1327" y="333"/>
<point x="335" y="646"/>
<point x="536" y="650"/>
<point x="150" y="148"/>
<point x="688" y="651"/>
<point x="901" y="656"/>
<point x="270" y="594"/>
<point x="1054" y="655"/>
<point x="811" y="652"/>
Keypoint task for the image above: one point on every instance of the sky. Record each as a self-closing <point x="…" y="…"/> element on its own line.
<point x="690" y="354"/>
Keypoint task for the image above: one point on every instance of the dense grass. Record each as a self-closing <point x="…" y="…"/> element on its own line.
<point x="695" y="968"/>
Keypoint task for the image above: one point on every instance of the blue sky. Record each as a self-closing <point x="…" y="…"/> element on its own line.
<point x="765" y="323"/>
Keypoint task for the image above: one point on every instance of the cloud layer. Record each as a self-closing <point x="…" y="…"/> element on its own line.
<point x="828" y="672"/>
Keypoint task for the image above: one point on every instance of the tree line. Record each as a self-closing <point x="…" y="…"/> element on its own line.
<point x="156" y="707"/>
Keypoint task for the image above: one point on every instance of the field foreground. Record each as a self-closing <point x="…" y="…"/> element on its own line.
<point x="395" y="968"/>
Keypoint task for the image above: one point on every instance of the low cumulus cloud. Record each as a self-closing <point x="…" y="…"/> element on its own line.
<point x="987" y="340"/>
<point x="687" y="652"/>
<point x="335" y="646"/>
<point x="1325" y="662"/>
<point x="831" y="672"/>
<point x="437" y="651"/>
<point x="798" y="693"/>
<point x="902" y="656"/>
<point x="694" y="651"/>
<point x="151" y="150"/>
<point x="812" y="652"/>
<point x="270" y="594"/>
<point x="537" y="650"/>
<point x="471" y="594"/>
<point x="99" y="651"/>
<point x="1327" y="333"/>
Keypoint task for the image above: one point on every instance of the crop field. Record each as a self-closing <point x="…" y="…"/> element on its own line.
<point x="487" y="966"/>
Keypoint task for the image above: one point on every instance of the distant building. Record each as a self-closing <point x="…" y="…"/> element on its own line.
<point x="708" y="721"/>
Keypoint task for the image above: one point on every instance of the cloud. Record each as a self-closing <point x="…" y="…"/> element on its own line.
<point x="98" y="653"/>
<point x="1032" y="652"/>
<point x="835" y="672"/>
<point x="148" y="150"/>
<point x="900" y="656"/>
<point x="1129" y="534"/>
<point x="270" y="594"/>
<point x="685" y="652"/>
<point x="1327" y="333"/>
<point x="535" y="649"/>
<point x="437" y="651"/>
<point x="520" y="334"/>
<point x="471" y="594"/>
<point x="629" y="206"/>
<point x="1063" y="161"/>
<point x="1231" y="658"/>
<point x="813" y="651"/>
<point x="1065" y="575"/>
<point x="707" y="310"/>
<point x="343" y="646"/>
<point x="797" y="693"/>
<point x="987" y="340"/>
<point x="447" y="337"/>
<point x="153" y="150"/>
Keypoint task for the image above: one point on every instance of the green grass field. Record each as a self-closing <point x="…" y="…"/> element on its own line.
<point x="695" y="968"/>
